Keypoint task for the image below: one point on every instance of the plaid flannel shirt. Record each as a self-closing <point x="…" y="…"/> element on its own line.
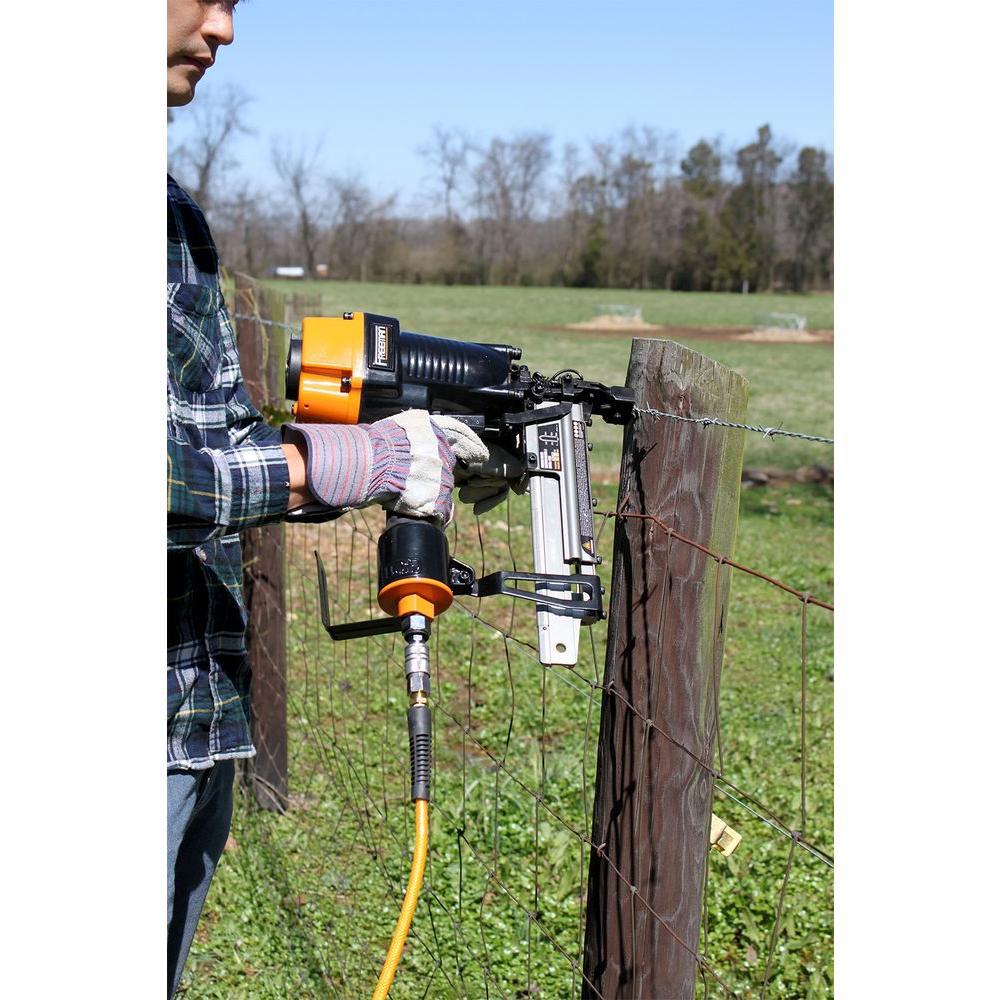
<point x="225" y="472"/>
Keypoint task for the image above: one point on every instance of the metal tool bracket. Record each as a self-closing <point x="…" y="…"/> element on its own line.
<point x="585" y="603"/>
<point x="349" y="630"/>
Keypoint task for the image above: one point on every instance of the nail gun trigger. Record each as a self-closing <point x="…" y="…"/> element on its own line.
<point x="541" y="415"/>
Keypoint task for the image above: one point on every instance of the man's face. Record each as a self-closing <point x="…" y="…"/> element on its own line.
<point x="195" y="30"/>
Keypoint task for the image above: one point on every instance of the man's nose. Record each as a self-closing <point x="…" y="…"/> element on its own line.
<point x="218" y="25"/>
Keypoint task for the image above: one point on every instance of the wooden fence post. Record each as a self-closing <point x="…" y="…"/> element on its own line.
<point x="653" y="800"/>
<point x="264" y="558"/>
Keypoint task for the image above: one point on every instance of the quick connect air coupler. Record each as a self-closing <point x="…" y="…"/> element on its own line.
<point x="417" y="663"/>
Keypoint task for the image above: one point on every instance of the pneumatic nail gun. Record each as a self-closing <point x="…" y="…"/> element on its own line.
<point x="360" y="367"/>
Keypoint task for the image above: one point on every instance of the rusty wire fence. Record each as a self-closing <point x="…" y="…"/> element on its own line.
<point x="504" y="907"/>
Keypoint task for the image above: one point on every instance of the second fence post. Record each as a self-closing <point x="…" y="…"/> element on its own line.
<point x="653" y="795"/>
<point x="264" y="560"/>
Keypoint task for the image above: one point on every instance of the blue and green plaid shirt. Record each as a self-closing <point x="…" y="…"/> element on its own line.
<point x="225" y="472"/>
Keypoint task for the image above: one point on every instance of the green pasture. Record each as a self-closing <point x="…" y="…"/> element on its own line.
<point x="304" y="903"/>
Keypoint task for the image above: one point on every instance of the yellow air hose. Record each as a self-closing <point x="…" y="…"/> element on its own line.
<point x="395" y="952"/>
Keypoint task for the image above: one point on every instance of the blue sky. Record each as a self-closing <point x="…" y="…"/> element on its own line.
<point x="370" y="78"/>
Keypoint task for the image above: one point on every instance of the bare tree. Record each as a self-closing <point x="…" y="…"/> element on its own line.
<point x="361" y="228"/>
<point x="507" y="185"/>
<point x="620" y="209"/>
<point x="296" y="168"/>
<point x="246" y="229"/>
<point x="447" y="154"/>
<point x="216" y="119"/>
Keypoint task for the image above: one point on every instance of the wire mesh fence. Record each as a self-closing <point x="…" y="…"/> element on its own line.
<point x="766" y="925"/>
<point x="502" y="908"/>
<point x="504" y="903"/>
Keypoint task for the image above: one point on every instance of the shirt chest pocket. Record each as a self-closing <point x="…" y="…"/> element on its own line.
<point x="194" y="337"/>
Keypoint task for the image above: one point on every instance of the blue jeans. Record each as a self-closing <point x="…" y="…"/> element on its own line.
<point x="199" y="810"/>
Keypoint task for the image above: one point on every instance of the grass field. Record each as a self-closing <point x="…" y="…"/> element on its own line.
<point x="304" y="904"/>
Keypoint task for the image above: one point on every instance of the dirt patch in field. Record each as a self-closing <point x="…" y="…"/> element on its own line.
<point x="625" y="326"/>
<point x="780" y="335"/>
<point x="618" y="324"/>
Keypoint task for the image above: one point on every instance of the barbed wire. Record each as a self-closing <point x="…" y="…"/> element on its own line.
<point x="768" y="432"/>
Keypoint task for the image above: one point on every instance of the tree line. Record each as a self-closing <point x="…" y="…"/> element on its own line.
<point x="629" y="211"/>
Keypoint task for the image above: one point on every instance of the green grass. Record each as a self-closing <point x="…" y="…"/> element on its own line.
<point x="305" y="905"/>
<point x="454" y="310"/>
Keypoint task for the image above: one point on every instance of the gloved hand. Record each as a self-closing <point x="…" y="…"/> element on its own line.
<point x="486" y="484"/>
<point x="405" y="463"/>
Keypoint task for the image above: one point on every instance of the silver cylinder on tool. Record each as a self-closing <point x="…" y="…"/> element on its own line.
<point x="416" y="655"/>
<point x="562" y="522"/>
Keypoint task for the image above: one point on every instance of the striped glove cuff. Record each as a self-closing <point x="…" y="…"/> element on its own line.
<point x="353" y="465"/>
<point x="405" y="462"/>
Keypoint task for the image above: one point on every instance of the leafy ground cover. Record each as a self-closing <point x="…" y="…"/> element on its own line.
<point x="304" y="903"/>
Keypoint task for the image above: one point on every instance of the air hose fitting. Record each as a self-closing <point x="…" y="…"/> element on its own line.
<point x="417" y="663"/>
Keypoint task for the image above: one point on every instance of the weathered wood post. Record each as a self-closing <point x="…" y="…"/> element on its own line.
<point x="264" y="559"/>
<point x="653" y="800"/>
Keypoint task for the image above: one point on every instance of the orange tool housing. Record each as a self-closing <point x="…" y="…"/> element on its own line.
<point x="333" y="366"/>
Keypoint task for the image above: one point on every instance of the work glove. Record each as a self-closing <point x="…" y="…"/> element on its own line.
<point x="405" y="463"/>
<point x="486" y="484"/>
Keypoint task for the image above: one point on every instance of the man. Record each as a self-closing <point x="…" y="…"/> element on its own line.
<point x="227" y="470"/>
